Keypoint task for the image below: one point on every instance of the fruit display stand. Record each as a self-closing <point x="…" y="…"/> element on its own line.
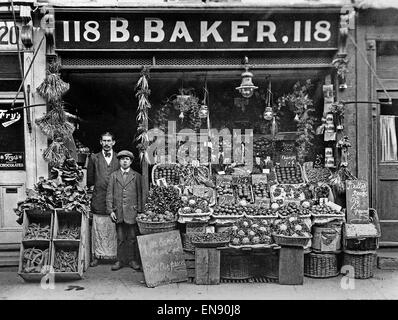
<point x="35" y="248"/>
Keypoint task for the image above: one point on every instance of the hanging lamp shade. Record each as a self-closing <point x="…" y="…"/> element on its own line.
<point x="246" y="87"/>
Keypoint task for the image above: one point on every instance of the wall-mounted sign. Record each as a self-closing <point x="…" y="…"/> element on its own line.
<point x="9" y="35"/>
<point x="12" y="145"/>
<point x="12" y="161"/>
<point x="196" y="31"/>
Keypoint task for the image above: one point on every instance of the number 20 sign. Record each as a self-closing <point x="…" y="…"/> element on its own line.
<point x="8" y="35"/>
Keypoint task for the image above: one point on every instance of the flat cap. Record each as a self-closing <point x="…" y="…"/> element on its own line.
<point x="125" y="153"/>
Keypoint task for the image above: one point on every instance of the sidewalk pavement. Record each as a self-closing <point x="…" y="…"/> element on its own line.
<point x="100" y="283"/>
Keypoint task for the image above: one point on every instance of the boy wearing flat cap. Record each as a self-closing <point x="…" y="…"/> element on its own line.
<point x="123" y="203"/>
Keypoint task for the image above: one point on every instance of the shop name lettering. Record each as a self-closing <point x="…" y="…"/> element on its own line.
<point x="9" y="117"/>
<point x="154" y="31"/>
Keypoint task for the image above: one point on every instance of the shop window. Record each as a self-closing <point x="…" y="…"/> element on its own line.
<point x="389" y="131"/>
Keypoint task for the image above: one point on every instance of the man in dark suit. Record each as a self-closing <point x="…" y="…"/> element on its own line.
<point x="123" y="203"/>
<point x="99" y="169"/>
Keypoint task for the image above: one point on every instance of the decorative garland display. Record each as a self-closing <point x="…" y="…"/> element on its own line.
<point x="302" y="106"/>
<point x="55" y="123"/>
<point x="142" y="93"/>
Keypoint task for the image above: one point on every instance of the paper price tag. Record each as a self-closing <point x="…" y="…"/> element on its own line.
<point x="258" y="161"/>
<point x="267" y="171"/>
<point x="221" y="172"/>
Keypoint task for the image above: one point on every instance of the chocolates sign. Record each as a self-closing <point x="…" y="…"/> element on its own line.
<point x="196" y="31"/>
<point x="12" y="161"/>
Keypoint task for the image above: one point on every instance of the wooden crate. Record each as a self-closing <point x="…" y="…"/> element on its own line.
<point x="67" y="276"/>
<point x="190" y="263"/>
<point x="207" y="266"/>
<point x="72" y="219"/>
<point x="33" y="216"/>
<point x="291" y="265"/>
<point x="33" y="277"/>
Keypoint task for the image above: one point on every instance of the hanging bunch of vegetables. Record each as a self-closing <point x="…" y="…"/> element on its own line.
<point x="302" y="106"/>
<point x="55" y="124"/>
<point x="142" y="94"/>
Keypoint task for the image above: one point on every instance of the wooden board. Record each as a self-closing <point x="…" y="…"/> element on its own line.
<point x="162" y="258"/>
<point x="207" y="266"/>
<point x="291" y="265"/>
<point x="357" y="201"/>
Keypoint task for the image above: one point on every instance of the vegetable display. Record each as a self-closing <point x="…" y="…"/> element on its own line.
<point x="324" y="210"/>
<point x="65" y="261"/>
<point x="34" y="260"/>
<point x="72" y="233"/>
<point x="171" y="172"/>
<point x="261" y="190"/>
<point x="321" y="191"/>
<point x="247" y="231"/>
<point x="315" y="175"/>
<point x="289" y="175"/>
<point x="209" y="238"/>
<point x="293" y="208"/>
<point x="38" y="231"/>
<point x="194" y="204"/>
<point x="244" y="192"/>
<point x="162" y="205"/>
<point x="287" y="192"/>
<point x="224" y="187"/>
<point x="228" y="210"/>
<point x="259" y="211"/>
<point x="196" y="175"/>
<point x="292" y="226"/>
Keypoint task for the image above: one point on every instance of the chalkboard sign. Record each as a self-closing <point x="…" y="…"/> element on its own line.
<point x="162" y="258"/>
<point x="288" y="160"/>
<point x="357" y="201"/>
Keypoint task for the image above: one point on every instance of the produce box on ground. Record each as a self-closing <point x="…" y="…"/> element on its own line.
<point x="67" y="226"/>
<point x="67" y="262"/>
<point x="37" y="226"/>
<point x="34" y="261"/>
<point x="327" y="238"/>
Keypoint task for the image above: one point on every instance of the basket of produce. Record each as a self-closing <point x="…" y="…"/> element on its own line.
<point x="257" y="212"/>
<point x="364" y="236"/>
<point x="244" y="192"/>
<point x="38" y="231"/>
<point x="235" y="265"/>
<point x="194" y="208"/>
<point x="315" y="175"/>
<point x="210" y="240"/>
<point x="289" y="175"/>
<point x="160" y="210"/>
<point x="196" y="175"/>
<point x="291" y="231"/>
<point x="321" y="265"/>
<point x="170" y="172"/>
<point x="322" y="190"/>
<point x="287" y="192"/>
<point x="292" y="209"/>
<point x="251" y="232"/>
<point x="228" y="211"/>
<point x="324" y="211"/>
<point x="362" y="261"/>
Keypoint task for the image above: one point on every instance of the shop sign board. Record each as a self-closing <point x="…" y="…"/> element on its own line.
<point x="162" y="258"/>
<point x="12" y="145"/>
<point x="357" y="201"/>
<point x="12" y="161"/>
<point x="9" y="35"/>
<point x="196" y="31"/>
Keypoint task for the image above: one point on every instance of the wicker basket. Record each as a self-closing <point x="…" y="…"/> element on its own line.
<point x="321" y="265"/>
<point x="186" y="242"/>
<point x="362" y="261"/>
<point x="291" y="241"/>
<point x="235" y="266"/>
<point x="146" y="227"/>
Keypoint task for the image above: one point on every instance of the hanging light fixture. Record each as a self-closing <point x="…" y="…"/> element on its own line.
<point x="246" y="87"/>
